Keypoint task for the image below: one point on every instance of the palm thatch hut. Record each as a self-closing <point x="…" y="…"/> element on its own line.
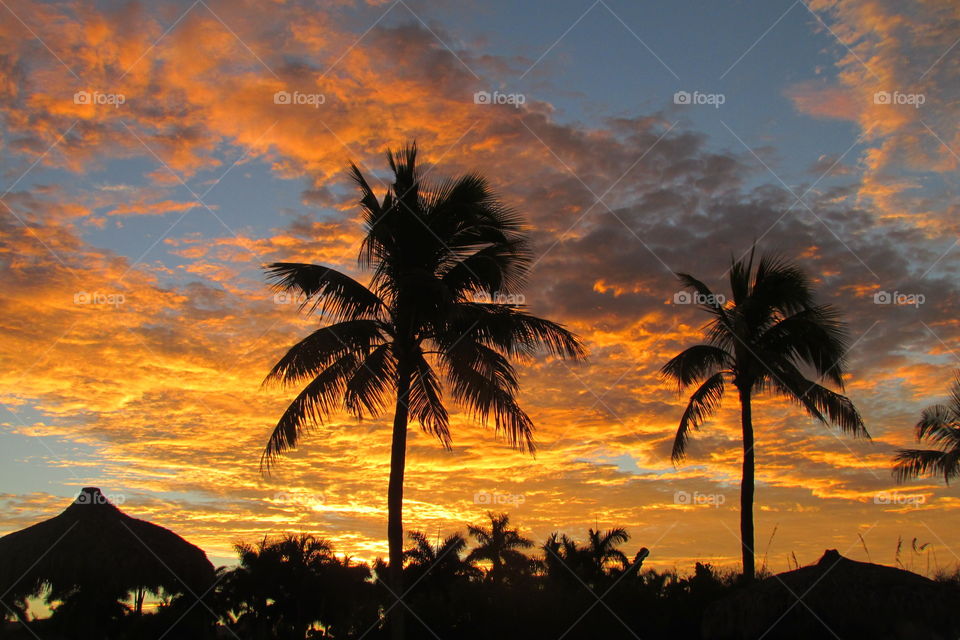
<point x="94" y="548"/>
<point x="840" y="598"/>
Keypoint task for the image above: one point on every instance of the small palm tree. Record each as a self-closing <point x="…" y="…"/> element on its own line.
<point x="444" y="561"/>
<point x="446" y="260"/>
<point x="561" y="555"/>
<point x="278" y="586"/>
<point x="603" y="548"/>
<point x="761" y="340"/>
<point x="500" y="546"/>
<point x="939" y="427"/>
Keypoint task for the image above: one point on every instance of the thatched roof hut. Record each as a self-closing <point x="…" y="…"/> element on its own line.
<point x="94" y="547"/>
<point x="840" y="598"/>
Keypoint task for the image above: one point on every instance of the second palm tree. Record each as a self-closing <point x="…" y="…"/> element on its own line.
<point x="760" y="341"/>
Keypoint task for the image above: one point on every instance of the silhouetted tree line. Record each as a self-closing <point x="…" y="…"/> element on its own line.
<point x="490" y="582"/>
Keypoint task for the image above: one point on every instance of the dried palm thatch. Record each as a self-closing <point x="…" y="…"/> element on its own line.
<point x="841" y="598"/>
<point x="94" y="547"/>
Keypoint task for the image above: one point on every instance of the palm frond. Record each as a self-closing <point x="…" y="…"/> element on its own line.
<point x="496" y="268"/>
<point x="939" y="426"/>
<point x="314" y="353"/>
<point x="483" y="396"/>
<point x="511" y="331"/>
<point x="312" y="406"/>
<point x="702" y="404"/>
<point x="426" y="401"/>
<point x="366" y="391"/>
<point x="740" y="273"/>
<point x="325" y="289"/>
<point x="829" y="407"/>
<point x="915" y="463"/>
<point x="695" y="364"/>
<point x="781" y="285"/>
<point x="814" y="336"/>
<point x="708" y="300"/>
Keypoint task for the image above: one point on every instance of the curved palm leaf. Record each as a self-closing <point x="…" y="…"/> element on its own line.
<point x="939" y="426"/>
<point x="314" y="353"/>
<point x="324" y="288"/>
<point x="694" y="364"/>
<point x="312" y="406"/>
<point x="703" y="403"/>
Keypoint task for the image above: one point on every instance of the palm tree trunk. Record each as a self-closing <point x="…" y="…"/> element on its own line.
<point x="746" y="488"/>
<point x="398" y="461"/>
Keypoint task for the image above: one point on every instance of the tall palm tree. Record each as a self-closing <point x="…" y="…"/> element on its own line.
<point x="939" y="426"/>
<point x="433" y="249"/>
<point x="762" y="340"/>
<point x="500" y="546"/>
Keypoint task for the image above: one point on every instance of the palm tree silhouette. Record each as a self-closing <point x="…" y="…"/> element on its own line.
<point x="561" y="556"/>
<point x="603" y="548"/>
<point x="760" y="341"/>
<point x="500" y="546"/>
<point x="444" y="561"/>
<point x="277" y="584"/>
<point x="433" y="250"/>
<point x="939" y="426"/>
<point x="283" y="586"/>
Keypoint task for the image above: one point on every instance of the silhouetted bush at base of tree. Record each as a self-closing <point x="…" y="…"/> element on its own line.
<point x="648" y="605"/>
<point x="76" y="618"/>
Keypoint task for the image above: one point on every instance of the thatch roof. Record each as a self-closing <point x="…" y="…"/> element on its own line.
<point x="840" y="597"/>
<point x="94" y="546"/>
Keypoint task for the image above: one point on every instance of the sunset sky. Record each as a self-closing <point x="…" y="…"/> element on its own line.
<point x="149" y="168"/>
